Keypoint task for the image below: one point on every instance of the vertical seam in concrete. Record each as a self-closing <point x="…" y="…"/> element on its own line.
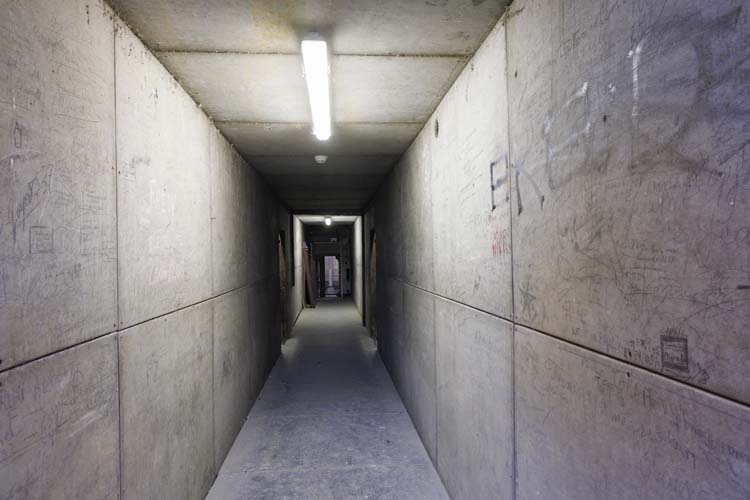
<point x="514" y="470"/>
<point x="212" y="292"/>
<point x="117" y="266"/>
<point x="435" y="377"/>
<point x="214" y="468"/>
<point x="117" y="175"/>
<point x="119" y="417"/>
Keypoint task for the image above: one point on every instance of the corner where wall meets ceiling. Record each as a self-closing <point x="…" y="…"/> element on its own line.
<point x="392" y="63"/>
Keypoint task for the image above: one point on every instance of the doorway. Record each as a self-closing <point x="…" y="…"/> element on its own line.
<point x="331" y="277"/>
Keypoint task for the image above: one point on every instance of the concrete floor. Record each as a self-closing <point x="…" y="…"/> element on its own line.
<point x="328" y="423"/>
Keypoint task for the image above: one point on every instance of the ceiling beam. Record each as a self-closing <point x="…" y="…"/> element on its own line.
<point x="336" y="54"/>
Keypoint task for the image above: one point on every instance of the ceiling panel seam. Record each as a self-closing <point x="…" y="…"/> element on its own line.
<point x="405" y="55"/>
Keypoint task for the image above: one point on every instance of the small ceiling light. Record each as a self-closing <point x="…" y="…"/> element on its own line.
<point x="321" y="159"/>
<point x="315" y="58"/>
<point x="328" y="221"/>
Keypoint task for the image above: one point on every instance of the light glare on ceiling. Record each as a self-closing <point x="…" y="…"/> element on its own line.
<point x="321" y="159"/>
<point x="328" y="221"/>
<point x="315" y="57"/>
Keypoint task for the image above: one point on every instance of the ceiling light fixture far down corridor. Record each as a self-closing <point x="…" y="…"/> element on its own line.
<point x="315" y="58"/>
<point x="328" y="221"/>
<point x="321" y="159"/>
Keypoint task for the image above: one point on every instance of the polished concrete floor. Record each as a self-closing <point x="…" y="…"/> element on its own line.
<point x="328" y="424"/>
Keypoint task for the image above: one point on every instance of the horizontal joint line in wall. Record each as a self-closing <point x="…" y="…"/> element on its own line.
<point x="453" y="300"/>
<point x="120" y="330"/>
<point x="650" y="371"/>
<point x="179" y="309"/>
<point x="586" y="348"/>
<point x="58" y="351"/>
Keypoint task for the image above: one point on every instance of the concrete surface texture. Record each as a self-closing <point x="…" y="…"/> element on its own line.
<point x="562" y="260"/>
<point x="391" y="62"/>
<point x="58" y="244"/>
<point x="357" y="267"/>
<point x="560" y="288"/>
<point x="139" y="267"/>
<point x="328" y="423"/>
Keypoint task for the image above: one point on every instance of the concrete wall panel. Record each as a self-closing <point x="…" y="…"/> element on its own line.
<point x="256" y="319"/>
<point x="58" y="425"/>
<point x="298" y="290"/>
<point x="272" y="294"/>
<point x="415" y="363"/>
<point x="589" y="427"/>
<point x="58" y="251"/>
<point x="474" y="402"/>
<point x="357" y="278"/>
<point x="166" y="406"/>
<point x="391" y="229"/>
<point x="416" y="216"/>
<point x="632" y="198"/>
<point x="163" y="188"/>
<point x="254" y="220"/>
<point x="390" y="313"/>
<point x="263" y="260"/>
<point x="470" y="208"/>
<point x="229" y="211"/>
<point x="232" y="365"/>
<point x="265" y="329"/>
<point x="370" y="272"/>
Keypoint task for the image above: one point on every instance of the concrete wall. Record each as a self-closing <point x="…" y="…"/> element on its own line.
<point x="563" y="265"/>
<point x="139" y="282"/>
<point x="298" y="289"/>
<point x="369" y="274"/>
<point x="357" y="254"/>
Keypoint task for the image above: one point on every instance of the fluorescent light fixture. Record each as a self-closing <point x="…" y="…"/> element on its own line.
<point x="328" y="221"/>
<point x="321" y="159"/>
<point x="315" y="58"/>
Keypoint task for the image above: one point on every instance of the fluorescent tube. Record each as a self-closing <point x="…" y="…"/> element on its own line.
<point x="315" y="58"/>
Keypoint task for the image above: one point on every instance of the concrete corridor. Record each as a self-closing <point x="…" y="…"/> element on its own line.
<point x="328" y="423"/>
<point x="540" y="208"/>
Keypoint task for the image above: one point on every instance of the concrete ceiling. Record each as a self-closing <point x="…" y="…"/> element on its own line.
<point x="393" y="60"/>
